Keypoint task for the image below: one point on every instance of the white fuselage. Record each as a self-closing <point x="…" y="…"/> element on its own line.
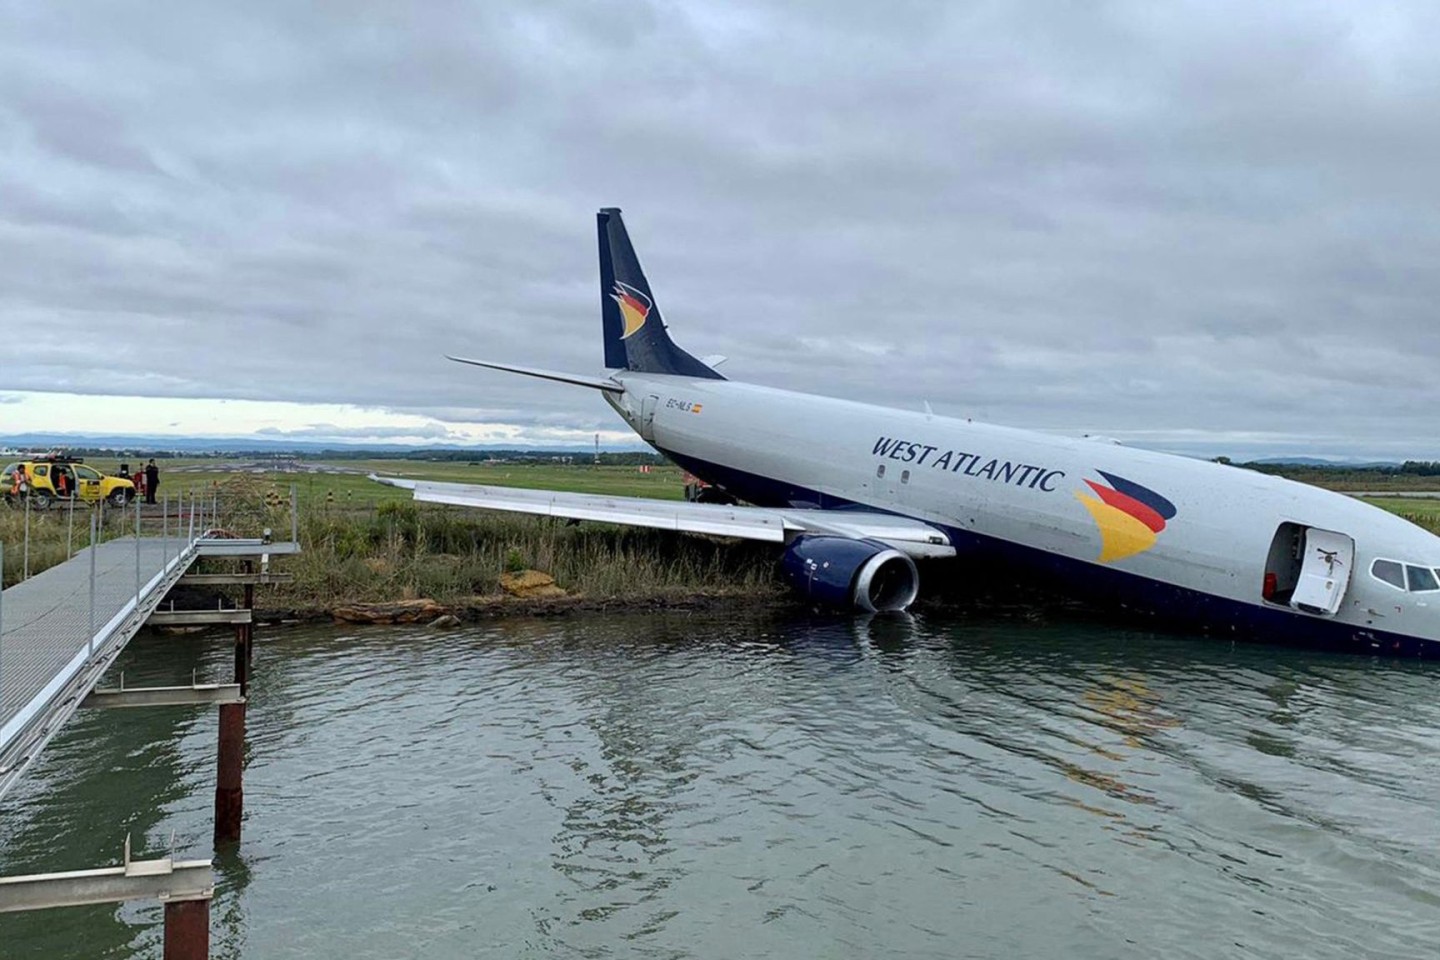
<point x="1014" y="487"/>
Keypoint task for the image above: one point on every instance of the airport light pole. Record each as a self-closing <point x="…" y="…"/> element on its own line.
<point x="94" y="535"/>
<point x="25" y="553"/>
<point x="137" y="558"/>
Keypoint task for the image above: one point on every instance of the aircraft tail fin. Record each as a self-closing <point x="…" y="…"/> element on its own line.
<point x="635" y="334"/>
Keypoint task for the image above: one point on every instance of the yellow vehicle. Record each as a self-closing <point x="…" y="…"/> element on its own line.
<point x="61" y="479"/>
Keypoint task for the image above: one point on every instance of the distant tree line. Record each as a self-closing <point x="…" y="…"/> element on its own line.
<point x="620" y="459"/>
<point x="1415" y="468"/>
<point x="446" y="454"/>
<point x="1423" y="468"/>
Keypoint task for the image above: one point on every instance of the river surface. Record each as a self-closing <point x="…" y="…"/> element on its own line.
<point x="714" y="786"/>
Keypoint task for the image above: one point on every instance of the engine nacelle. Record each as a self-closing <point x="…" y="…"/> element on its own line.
<point x="844" y="572"/>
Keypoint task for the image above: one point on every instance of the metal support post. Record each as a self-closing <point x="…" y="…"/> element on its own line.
<point x="294" y="515"/>
<point x="165" y="523"/>
<point x="229" y="792"/>
<point x="94" y="533"/>
<point x="25" y="556"/>
<point x="137" y="557"/>
<point x="70" y="529"/>
<point x="187" y="929"/>
<point x="242" y="657"/>
<point x="245" y="633"/>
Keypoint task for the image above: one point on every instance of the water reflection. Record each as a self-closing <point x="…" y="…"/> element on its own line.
<point x="113" y="774"/>
<point x="691" y="785"/>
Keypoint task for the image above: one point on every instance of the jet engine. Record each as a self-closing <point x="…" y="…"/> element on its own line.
<point x="844" y="572"/>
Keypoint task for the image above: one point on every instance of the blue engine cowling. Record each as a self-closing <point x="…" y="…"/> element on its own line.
<point x="844" y="572"/>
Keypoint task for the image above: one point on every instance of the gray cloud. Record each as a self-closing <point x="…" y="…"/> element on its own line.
<point x="1182" y="224"/>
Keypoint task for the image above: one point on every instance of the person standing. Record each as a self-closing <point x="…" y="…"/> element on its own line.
<point x="152" y="480"/>
<point x="19" y="483"/>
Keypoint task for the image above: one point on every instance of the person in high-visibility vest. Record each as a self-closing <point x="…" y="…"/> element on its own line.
<point x="19" y="482"/>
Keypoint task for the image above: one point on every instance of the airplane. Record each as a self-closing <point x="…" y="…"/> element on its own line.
<point x="852" y="494"/>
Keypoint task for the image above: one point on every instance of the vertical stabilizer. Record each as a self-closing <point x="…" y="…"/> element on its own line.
<point x="635" y="334"/>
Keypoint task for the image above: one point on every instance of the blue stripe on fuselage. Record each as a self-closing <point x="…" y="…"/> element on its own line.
<point x="1178" y="607"/>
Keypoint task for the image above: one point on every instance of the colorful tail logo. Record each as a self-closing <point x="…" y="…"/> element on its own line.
<point x="1129" y="516"/>
<point x="634" y="307"/>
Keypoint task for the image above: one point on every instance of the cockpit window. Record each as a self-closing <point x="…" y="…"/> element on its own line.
<point x="1388" y="571"/>
<point x="1421" y="579"/>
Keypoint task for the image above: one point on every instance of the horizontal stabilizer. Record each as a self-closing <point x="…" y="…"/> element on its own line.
<point x="579" y="379"/>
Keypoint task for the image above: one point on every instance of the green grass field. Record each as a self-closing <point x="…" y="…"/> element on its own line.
<point x="348" y="482"/>
<point x="1424" y="512"/>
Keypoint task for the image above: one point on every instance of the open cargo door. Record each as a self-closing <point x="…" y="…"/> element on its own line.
<point x="1325" y="570"/>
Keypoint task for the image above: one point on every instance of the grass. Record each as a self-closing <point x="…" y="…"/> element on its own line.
<point x="347" y="482"/>
<point x="395" y="549"/>
<point x="1357" y="481"/>
<point x="367" y="542"/>
<point x="54" y="535"/>
<point x="1422" y="512"/>
<point x="406" y="551"/>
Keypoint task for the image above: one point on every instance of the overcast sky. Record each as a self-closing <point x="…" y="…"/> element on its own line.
<point x="1211" y="227"/>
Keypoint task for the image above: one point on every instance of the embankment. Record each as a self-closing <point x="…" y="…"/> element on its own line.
<point x="458" y="558"/>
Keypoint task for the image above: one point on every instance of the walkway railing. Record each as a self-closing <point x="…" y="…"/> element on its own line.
<point x="61" y="629"/>
<point x="52" y="656"/>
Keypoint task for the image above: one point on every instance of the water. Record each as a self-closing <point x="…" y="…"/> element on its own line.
<point x="698" y="786"/>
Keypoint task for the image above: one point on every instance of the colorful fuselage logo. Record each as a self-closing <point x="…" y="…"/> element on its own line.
<point x="1129" y="516"/>
<point x="634" y="307"/>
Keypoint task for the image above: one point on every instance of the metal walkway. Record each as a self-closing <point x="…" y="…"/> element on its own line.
<point x="61" y="630"/>
<point x="56" y="643"/>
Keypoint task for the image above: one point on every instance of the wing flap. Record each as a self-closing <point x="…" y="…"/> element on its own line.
<point x="914" y="537"/>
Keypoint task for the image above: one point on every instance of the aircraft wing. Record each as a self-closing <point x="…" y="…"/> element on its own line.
<point x="774" y="524"/>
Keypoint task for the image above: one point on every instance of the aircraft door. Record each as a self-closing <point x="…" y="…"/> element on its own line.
<point x="647" y="417"/>
<point x="1324" y="572"/>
